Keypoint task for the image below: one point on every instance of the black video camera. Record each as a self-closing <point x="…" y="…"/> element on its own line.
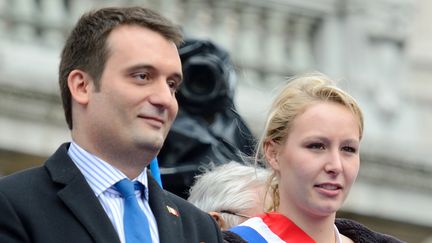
<point x="207" y="128"/>
<point x="209" y="78"/>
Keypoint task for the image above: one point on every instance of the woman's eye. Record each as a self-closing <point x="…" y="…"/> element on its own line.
<point x="319" y="146"/>
<point x="349" y="149"/>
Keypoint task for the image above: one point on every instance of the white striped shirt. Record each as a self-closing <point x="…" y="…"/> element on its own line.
<point x="101" y="177"/>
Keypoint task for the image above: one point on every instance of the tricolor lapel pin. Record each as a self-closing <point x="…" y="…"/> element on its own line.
<point x="172" y="211"/>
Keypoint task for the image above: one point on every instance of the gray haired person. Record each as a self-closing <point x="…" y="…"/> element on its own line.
<point x="231" y="192"/>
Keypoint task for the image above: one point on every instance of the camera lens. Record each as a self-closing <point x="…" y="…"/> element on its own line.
<point x="207" y="80"/>
<point x="201" y="82"/>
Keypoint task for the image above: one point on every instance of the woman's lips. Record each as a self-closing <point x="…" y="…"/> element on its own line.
<point x="329" y="189"/>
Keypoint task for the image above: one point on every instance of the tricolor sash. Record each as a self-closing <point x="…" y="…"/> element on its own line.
<point x="271" y="228"/>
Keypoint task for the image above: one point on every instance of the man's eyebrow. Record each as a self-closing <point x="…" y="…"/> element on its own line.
<point x="176" y="75"/>
<point x="140" y="66"/>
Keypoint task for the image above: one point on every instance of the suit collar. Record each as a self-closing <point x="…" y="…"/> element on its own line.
<point x="79" y="197"/>
<point x="166" y="213"/>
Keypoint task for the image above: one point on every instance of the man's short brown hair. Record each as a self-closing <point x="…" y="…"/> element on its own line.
<point x="86" y="48"/>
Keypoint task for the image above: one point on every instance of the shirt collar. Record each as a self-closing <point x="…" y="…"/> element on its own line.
<point x="99" y="174"/>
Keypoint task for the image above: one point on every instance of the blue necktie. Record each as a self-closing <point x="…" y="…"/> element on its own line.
<point x="135" y="223"/>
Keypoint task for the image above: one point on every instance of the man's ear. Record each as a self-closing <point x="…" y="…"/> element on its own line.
<point x="80" y="86"/>
<point x="271" y="151"/>
<point x="219" y="220"/>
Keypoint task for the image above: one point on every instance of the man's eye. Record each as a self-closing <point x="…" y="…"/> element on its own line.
<point x="174" y="85"/>
<point x="319" y="146"/>
<point x="141" y="76"/>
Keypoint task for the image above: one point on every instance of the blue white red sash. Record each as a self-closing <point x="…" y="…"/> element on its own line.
<point x="271" y="228"/>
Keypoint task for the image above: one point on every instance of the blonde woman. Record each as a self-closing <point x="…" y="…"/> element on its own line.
<point x="311" y="143"/>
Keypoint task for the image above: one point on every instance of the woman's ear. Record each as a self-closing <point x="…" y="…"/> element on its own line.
<point x="271" y="151"/>
<point x="80" y="86"/>
<point x="219" y="220"/>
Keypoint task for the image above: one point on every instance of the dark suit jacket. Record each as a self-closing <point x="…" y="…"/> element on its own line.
<point x="54" y="203"/>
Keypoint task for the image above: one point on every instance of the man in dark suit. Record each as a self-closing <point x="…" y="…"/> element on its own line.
<point x="119" y="72"/>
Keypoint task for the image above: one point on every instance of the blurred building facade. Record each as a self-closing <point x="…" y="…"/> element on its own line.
<point x="379" y="49"/>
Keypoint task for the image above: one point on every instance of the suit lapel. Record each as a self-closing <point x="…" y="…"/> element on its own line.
<point x="166" y="214"/>
<point x="79" y="197"/>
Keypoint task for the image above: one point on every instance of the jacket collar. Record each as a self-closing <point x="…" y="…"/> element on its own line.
<point x="166" y="213"/>
<point x="79" y="197"/>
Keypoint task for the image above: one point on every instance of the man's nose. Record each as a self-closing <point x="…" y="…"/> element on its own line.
<point x="163" y="94"/>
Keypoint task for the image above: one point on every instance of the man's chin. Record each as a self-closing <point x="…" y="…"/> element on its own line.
<point x="151" y="145"/>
